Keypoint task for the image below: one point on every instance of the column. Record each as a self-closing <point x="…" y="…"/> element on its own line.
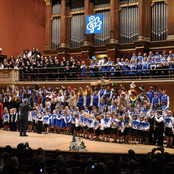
<point x="117" y="20"/>
<point x="112" y="20"/>
<point x="170" y="20"/>
<point x="63" y="24"/>
<point x="141" y="24"/>
<point x="89" y="10"/>
<point x="68" y="24"/>
<point x="48" y="24"/>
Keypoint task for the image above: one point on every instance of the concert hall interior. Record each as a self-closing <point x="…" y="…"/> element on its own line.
<point x="96" y="77"/>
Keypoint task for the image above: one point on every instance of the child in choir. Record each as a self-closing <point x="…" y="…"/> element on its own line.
<point x="168" y="128"/>
<point x="112" y="70"/>
<point x="101" y="105"/>
<point x="84" y="124"/>
<point x="6" y="118"/>
<point x="152" y="136"/>
<point x="146" y="129"/>
<point x="41" y="108"/>
<point x="62" y="121"/>
<point x="86" y="109"/>
<point x="120" y="129"/>
<point x="127" y="127"/>
<point x="11" y="119"/>
<point x="91" y="126"/>
<point x="81" y="101"/>
<point x="34" y="115"/>
<point x="138" y="113"/>
<point x="114" y="106"/>
<point x="165" y="98"/>
<point x="163" y="105"/>
<point x="155" y="100"/>
<point x="107" y="121"/>
<point x="39" y="120"/>
<point x="14" y="120"/>
<point x="73" y="122"/>
<point x="81" y="122"/>
<point x="114" y="124"/>
<point x="140" y="129"/>
<point x="30" y="121"/>
<point x="97" y="128"/>
<point x="102" y="127"/>
<point x="48" y="107"/>
<point x="109" y="105"/>
<point x="46" y="122"/>
<point x="88" y="99"/>
<point x="95" y="99"/>
<point x="68" y="122"/>
<point x="58" y="120"/>
<point x="50" y="120"/>
<point x="134" y="127"/>
<point x="83" y="68"/>
<point x="77" y="124"/>
<point x="159" y="127"/>
<point x="54" y="120"/>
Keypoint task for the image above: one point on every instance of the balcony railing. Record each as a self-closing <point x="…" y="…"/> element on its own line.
<point x="58" y="74"/>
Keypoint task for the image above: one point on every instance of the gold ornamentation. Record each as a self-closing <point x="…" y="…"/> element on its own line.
<point x="77" y="12"/>
<point x="128" y="5"/>
<point x="55" y="16"/>
<point x="102" y="8"/>
<point x="154" y="1"/>
<point x="48" y="2"/>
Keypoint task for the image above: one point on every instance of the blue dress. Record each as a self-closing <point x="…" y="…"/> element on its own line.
<point x="83" y="70"/>
<point x="62" y="122"/>
<point x="58" y="120"/>
<point x="54" y="120"/>
<point x="68" y="121"/>
<point x="81" y="103"/>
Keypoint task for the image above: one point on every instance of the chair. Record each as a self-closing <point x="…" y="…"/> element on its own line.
<point x="75" y="170"/>
<point x="74" y="163"/>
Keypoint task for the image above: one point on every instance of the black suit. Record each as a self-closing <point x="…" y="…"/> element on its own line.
<point x="23" y="117"/>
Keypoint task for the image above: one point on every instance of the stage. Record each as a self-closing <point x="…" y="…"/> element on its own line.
<point x="53" y="141"/>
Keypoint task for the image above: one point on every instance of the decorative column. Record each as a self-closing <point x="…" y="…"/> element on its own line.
<point x="68" y="24"/>
<point x="170" y="20"/>
<point x="89" y="10"/>
<point x="48" y="24"/>
<point x="141" y="24"/>
<point x="117" y="20"/>
<point x="112" y="21"/>
<point x="63" y="24"/>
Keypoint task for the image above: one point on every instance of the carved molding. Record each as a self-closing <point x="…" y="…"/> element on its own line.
<point x="48" y="2"/>
<point x="128" y="5"/>
<point x="102" y="8"/>
<point x="154" y="1"/>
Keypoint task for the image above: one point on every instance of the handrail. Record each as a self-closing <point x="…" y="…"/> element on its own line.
<point x="56" y="73"/>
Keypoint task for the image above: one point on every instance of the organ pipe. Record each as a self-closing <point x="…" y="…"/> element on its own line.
<point x="77" y="30"/>
<point x="103" y="38"/>
<point x="159" y="21"/>
<point x="55" y="40"/>
<point x="129" y="24"/>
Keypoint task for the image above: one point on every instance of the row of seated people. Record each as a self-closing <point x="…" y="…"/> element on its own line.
<point x="24" y="160"/>
<point x="34" y="66"/>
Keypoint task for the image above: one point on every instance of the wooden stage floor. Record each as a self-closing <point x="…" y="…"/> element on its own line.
<point x="54" y="141"/>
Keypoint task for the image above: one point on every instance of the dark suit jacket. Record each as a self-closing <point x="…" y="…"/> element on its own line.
<point x="24" y="108"/>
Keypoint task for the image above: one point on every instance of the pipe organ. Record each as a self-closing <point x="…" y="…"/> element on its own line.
<point x="77" y="30"/>
<point x="127" y="25"/>
<point x="159" y="21"/>
<point x="103" y="38"/>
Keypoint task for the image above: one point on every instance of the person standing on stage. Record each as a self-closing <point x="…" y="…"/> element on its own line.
<point x="1" y="112"/>
<point x="23" y="117"/>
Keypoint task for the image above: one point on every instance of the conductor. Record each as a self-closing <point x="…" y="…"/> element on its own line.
<point x="23" y="117"/>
